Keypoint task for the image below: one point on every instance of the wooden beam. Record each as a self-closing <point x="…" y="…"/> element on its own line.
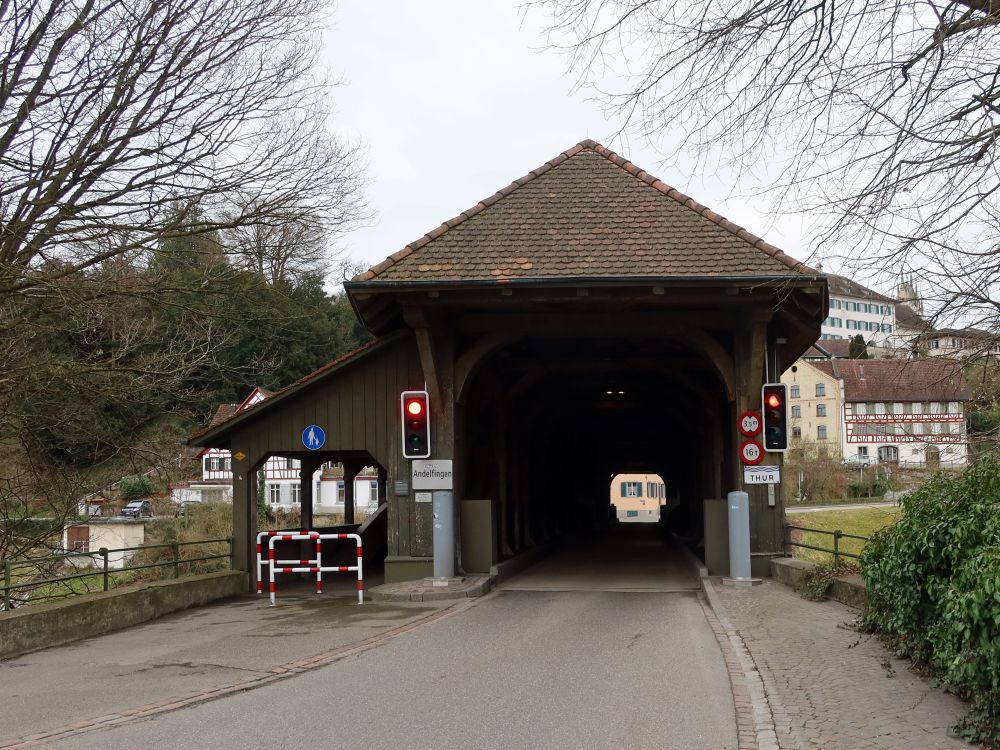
<point x="416" y="319"/>
<point x="473" y="356"/>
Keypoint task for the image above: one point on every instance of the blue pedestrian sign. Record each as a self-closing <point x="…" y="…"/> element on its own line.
<point x="313" y="437"/>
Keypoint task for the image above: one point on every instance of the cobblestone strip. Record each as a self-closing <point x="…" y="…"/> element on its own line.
<point x="755" y="720"/>
<point x="280" y="672"/>
<point x="745" y="732"/>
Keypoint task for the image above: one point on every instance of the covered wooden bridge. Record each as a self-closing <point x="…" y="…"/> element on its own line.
<point x="584" y="321"/>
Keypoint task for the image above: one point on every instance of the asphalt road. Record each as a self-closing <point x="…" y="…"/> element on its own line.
<point x="521" y="668"/>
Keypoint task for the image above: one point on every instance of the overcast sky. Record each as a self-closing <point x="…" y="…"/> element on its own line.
<point x="456" y="99"/>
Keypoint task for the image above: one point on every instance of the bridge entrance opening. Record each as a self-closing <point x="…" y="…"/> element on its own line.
<point x="638" y="497"/>
<point x="573" y="437"/>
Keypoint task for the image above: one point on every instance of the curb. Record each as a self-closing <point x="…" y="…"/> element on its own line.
<point x="755" y="725"/>
<point x="385" y="592"/>
<point x="280" y="672"/>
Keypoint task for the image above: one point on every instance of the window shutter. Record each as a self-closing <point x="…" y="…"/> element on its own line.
<point x="624" y="490"/>
<point x="638" y="486"/>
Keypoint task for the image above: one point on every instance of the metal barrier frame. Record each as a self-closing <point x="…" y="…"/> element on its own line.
<point x="309" y="565"/>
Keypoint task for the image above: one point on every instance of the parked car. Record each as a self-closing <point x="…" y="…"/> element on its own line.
<point x="862" y="461"/>
<point x="138" y="509"/>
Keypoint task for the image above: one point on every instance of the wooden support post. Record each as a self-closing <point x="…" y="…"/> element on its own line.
<point x="351" y="471"/>
<point x="244" y="515"/>
<point x="383" y="486"/>
<point x="765" y="521"/>
<point x="306" y="470"/>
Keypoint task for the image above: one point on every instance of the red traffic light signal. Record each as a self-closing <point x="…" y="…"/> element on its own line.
<point x="775" y="417"/>
<point x="416" y="425"/>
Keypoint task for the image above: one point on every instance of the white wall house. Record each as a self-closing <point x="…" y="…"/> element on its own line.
<point x="855" y="309"/>
<point x="282" y="486"/>
<point x="910" y="413"/>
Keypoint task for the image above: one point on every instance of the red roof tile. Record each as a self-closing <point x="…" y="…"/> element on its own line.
<point x="898" y="380"/>
<point x="588" y="212"/>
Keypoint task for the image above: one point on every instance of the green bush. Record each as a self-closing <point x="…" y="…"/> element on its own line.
<point x="134" y="488"/>
<point x="934" y="587"/>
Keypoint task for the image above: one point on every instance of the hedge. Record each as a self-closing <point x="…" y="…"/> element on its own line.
<point x="934" y="588"/>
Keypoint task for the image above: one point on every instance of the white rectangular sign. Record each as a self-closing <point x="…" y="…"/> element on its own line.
<point x="423" y="497"/>
<point x="431" y="474"/>
<point x="761" y="474"/>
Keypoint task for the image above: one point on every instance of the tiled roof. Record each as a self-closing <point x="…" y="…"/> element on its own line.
<point x="588" y="212"/>
<point x="898" y="380"/>
<point x="222" y="413"/>
<point x="842" y="286"/>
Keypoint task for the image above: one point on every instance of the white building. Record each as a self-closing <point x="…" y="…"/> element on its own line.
<point x="904" y="412"/>
<point x="282" y="484"/>
<point x="114" y="534"/>
<point x="855" y="309"/>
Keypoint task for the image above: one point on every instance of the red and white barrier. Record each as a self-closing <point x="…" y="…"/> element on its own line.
<point x="261" y="561"/>
<point x="306" y="566"/>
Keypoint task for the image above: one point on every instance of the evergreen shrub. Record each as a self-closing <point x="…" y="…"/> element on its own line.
<point x="934" y="587"/>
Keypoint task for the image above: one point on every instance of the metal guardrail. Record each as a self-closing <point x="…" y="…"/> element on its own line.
<point x="103" y="569"/>
<point x="837" y="535"/>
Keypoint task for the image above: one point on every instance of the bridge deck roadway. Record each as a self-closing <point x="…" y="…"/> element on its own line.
<point x="604" y="644"/>
<point x="567" y="655"/>
<point x="629" y="557"/>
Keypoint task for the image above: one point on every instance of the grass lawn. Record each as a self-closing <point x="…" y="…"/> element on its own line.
<point x="862" y="522"/>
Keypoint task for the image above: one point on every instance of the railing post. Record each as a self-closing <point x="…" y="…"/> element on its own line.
<point x="836" y="546"/>
<point x="786" y="541"/>
<point x="232" y="553"/>
<point x="6" y="585"/>
<point x="104" y="558"/>
<point x="176" y="549"/>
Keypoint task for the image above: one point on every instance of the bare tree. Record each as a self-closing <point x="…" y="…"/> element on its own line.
<point x="119" y="117"/>
<point x="127" y="128"/>
<point x="880" y="118"/>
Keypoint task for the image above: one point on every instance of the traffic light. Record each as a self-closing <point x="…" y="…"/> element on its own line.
<point x="416" y="424"/>
<point x="774" y="406"/>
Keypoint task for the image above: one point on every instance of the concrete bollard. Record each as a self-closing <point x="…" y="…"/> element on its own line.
<point x="739" y="535"/>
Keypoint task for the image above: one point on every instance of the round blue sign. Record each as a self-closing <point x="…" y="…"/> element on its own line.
<point x="313" y="437"/>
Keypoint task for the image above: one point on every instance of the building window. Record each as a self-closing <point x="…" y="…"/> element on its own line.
<point x="888" y="453"/>
<point x="796" y="432"/>
<point x="795" y="392"/>
<point x="227" y="464"/>
<point x="296" y="493"/>
<point x="935" y="344"/>
<point x="821" y="389"/>
<point x="796" y="411"/>
<point x="821" y="432"/>
<point x="274" y="493"/>
<point x="631" y="489"/>
<point x="862" y="451"/>
<point x="289" y="463"/>
<point x="820" y="410"/>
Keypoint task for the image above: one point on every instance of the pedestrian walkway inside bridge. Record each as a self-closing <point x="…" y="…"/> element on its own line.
<point x="626" y="557"/>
